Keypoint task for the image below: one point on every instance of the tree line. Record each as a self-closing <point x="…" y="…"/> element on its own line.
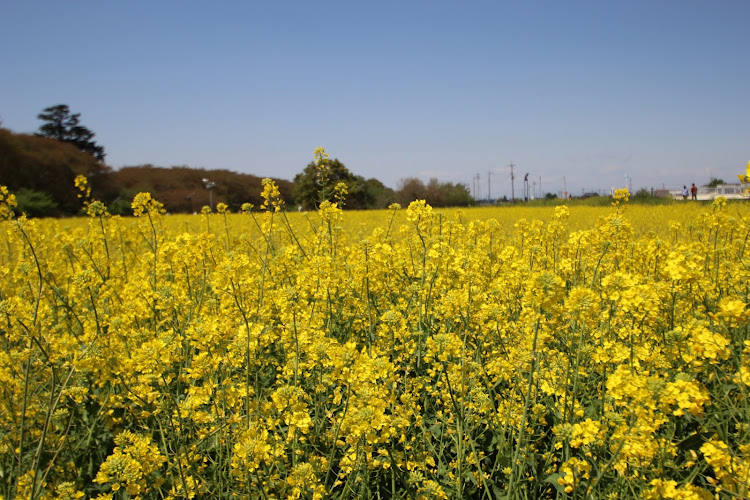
<point x="40" y="170"/>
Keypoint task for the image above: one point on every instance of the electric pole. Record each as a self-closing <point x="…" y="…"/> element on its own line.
<point x="512" y="189"/>
<point x="489" y="186"/>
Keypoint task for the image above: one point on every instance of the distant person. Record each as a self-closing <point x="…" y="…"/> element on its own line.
<point x="694" y="192"/>
<point x="685" y="192"/>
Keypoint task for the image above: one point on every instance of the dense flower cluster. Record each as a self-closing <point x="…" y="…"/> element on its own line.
<point x="519" y="353"/>
<point x="7" y="203"/>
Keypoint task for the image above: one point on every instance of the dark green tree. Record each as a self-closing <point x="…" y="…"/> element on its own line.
<point x="455" y="195"/>
<point x="311" y="188"/>
<point x="63" y="126"/>
<point x="35" y="203"/>
<point x="376" y="194"/>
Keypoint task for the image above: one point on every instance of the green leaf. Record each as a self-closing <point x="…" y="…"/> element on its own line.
<point x="552" y="479"/>
<point x="499" y="494"/>
<point x="436" y="430"/>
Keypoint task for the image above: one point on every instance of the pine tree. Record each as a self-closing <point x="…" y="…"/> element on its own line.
<point x="65" y="127"/>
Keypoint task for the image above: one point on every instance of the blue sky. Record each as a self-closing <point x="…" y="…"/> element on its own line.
<point x="579" y="94"/>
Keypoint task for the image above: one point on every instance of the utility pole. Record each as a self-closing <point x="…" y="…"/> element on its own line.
<point x="489" y="186"/>
<point x="479" y="187"/>
<point x="512" y="189"/>
<point x="541" y="195"/>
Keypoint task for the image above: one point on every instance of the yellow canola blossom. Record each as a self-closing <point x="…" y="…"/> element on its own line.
<point x="521" y="352"/>
<point x="132" y="465"/>
<point x="7" y="203"/>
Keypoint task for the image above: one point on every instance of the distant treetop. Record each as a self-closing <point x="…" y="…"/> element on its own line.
<point x="61" y="125"/>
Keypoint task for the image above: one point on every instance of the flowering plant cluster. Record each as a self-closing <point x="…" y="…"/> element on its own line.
<point x="745" y="179"/>
<point x="7" y="203"/>
<point x="398" y="354"/>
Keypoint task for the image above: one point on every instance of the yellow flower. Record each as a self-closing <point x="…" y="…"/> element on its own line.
<point x="340" y="191"/>
<point x="707" y="344"/>
<point x="132" y="464"/>
<point x="290" y="402"/>
<point x="744" y="179"/>
<point x="581" y="301"/>
<point x="143" y="203"/>
<point x="545" y="289"/>
<point x="329" y="212"/>
<point x="572" y="472"/>
<point x="251" y="449"/>
<point x="621" y="195"/>
<point x="82" y="183"/>
<point x="271" y="196"/>
<point x="419" y="213"/>
<point x="659" y="488"/>
<point x="585" y="433"/>
<point x="7" y="203"/>
<point x="68" y="491"/>
<point x="732" y="311"/>
<point x="718" y="457"/>
<point x="686" y="395"/>
<point x="305" y="482"/>
<point x="443" y="346"/>
<point x="97" y="209"/>
<point x="320" y="155"/>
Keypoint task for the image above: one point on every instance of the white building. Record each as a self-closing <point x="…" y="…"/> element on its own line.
<point x="728" y="191"/>
<point x="705" y="193"/>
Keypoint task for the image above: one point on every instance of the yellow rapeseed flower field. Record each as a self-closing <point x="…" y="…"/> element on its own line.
<point x="562" y="352"/>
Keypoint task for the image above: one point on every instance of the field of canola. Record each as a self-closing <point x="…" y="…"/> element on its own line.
<point x="516" y="353"/>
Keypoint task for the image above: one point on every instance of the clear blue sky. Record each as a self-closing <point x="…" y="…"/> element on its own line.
<point x="584" y="92"/>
